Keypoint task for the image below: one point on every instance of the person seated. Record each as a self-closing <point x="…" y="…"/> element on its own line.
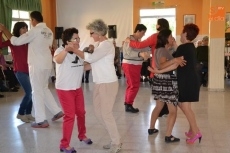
<point x="205" y="41"/>
<point x="8" y="72"/>
<point x="117" y="60"/>
<point x="3" y="88"/>
<point x="202" y="58"/>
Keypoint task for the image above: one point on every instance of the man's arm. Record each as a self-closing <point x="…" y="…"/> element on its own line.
<point x="24" y="38"/>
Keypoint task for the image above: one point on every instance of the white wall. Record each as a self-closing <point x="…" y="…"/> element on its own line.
<point x="78" y="13"/>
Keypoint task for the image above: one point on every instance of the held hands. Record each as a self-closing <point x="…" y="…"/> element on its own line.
<point x="91" y="49"/>
<point x="180" y="61"/>
<point x="153" y="70"/>
<point x="72" y="46"/>
<point x="145" y="55"/>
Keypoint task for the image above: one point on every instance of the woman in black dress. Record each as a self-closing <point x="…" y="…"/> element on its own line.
<point x="164" y="86"/>
<point x="188" y="80"/>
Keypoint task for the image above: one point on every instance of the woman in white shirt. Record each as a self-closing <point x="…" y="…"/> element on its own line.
<point x="104" y="76"/>
<point x="69" y="71"/>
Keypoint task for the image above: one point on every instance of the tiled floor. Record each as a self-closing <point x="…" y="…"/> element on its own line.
<point x="212" y="112"/>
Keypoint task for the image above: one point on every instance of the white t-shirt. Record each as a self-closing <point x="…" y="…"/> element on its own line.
<point x="102" y="62"/>
<point x="68" y="74"/>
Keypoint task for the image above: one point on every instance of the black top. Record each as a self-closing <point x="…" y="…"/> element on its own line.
<point x="188" y="80"/>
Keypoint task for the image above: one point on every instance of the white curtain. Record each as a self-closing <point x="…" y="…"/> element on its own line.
<point x="78" y="13"/>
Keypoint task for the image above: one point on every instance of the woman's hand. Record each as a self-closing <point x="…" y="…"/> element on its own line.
<point x="1" y="27"/>
<point x="180" y="61"/>
<point x="91" y="49"/>
<point x="127" y="40"/>
<point x="72" y="46"/>
<point x="145" y="55"/>
<point x="153" y="70"/>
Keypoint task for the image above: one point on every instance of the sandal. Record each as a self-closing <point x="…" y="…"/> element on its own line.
<point x="87" y="141"/>
<point x="152" y="131"/>
<point x="72" y="150"/>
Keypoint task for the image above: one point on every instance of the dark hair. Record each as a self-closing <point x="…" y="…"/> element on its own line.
<point x="162" y="38"/>
<point x="163" y="23"/>
<point x="192" y="31"/>
<point x="17" y="27"/>
<point x="67" y="34"/>
<point x="37" y="16"/>
<point x="140" y="27"/>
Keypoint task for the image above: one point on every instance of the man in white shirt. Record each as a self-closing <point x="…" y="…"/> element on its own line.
<point x="40" y="38"/>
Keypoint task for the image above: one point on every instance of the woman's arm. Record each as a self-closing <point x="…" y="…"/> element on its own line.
<point x="5" y="31"/>
<point x="150" y="41"/>
<point x="74" y="46"/>
<point x="167" y="69"/>
<point x="59" y="58"/>
<point x="165" y="63"/>
<point x="4" y="43"/>
<point x="87" y="66"/>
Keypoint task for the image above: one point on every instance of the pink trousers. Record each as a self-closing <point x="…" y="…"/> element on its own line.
<point x="72" y="102"/>
<point x="132" y="74"/>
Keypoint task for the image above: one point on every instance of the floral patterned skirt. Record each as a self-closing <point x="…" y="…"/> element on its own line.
<point x="164" y="88"/>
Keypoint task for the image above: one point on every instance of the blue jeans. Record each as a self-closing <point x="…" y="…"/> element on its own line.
<point x="26" y="104"/>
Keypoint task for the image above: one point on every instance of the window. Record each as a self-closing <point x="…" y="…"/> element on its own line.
<point x="19" y="15"/>
<point x="149" y="17"/>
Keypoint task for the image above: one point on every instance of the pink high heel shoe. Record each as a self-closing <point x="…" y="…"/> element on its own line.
<point x="188" y="134"/>
<point x="193" y="139"/>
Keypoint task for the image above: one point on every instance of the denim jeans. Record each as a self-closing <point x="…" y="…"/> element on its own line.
<point x="26" y="104"/>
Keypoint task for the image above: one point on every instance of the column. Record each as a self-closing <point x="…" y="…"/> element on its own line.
<point x="216" y="45"/>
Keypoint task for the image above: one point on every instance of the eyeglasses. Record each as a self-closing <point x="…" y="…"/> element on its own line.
<point x="91" y="33"/>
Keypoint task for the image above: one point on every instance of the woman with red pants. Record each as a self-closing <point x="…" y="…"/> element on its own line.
<point x="69" y="71"/>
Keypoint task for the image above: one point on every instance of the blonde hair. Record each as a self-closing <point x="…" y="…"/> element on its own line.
<point x="98" y="26"/>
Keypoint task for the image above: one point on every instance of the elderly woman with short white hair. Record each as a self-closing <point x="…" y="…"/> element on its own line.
<point x="101" y="61"/>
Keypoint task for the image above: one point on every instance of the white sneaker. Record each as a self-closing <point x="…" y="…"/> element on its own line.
<point x="30" y="117"/>
<point x="108" y="146"/>
<point x="115" y="148"/>
<point x="23" y="118"/>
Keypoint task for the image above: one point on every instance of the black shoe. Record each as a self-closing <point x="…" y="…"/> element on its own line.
<point x="53" y="78"/>
<point x="86" y="81"/>
<point x="13" y="90"/>
<point x="129" y="108"/>
<point x="146" y="80"/>
<point x="171" y="139"/>
<point x="1" y="96"/>
<point x="152" y="131"/>
<point x="205" y="85"/>
<point x="16" y="87"/>
<point x="141" y="80"/>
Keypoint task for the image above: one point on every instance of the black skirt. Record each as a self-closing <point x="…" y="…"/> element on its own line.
<point x="164" y="88"/>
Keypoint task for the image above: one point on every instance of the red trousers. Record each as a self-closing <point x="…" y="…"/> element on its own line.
<point x="72" y="102"/>
<point x="132" y="74"/>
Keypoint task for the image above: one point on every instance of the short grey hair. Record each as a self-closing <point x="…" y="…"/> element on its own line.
<point x="98" y="26"/>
